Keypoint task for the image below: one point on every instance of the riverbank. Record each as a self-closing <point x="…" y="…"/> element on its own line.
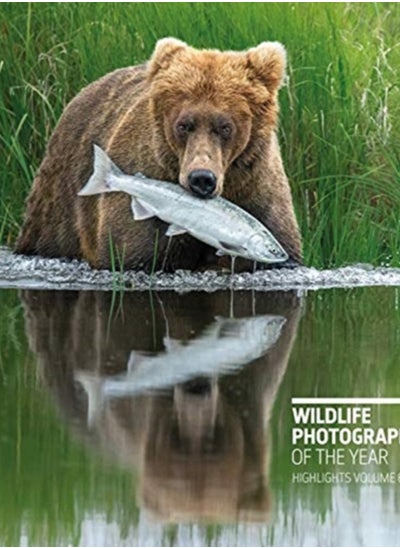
<point x="17" y="271"/>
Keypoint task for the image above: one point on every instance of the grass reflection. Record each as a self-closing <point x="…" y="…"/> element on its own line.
<point x="56" y="482"/>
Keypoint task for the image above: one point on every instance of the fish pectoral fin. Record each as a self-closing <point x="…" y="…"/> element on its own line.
<point x="135" y="359"/>
<point x="141" y="210"/>
<point x="175" y="230"/>
<point x="226" y="247"/>
<point x="171" y="344"/>
<point x="219" y="319"/>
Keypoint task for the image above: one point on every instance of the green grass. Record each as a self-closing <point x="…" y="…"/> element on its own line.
<point x="340" y="114"/>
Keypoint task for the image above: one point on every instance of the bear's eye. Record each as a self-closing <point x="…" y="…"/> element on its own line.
<point x="183" y="128"/>
<point x="225" y="131"/>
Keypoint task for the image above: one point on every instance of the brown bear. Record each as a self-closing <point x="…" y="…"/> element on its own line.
<point x="205" y="119"/>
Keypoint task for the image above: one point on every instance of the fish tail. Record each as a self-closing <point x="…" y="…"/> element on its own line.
<point x="103" y="166"/>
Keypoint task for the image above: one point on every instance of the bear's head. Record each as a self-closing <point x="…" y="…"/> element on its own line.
<point x="212" y="108"/>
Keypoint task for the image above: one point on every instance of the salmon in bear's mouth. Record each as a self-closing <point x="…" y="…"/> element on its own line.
<point x="218" y="223"/>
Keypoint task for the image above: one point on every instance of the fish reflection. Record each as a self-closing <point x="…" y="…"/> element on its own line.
<point x="170" y="391"/>
<point x="222" y="347"/>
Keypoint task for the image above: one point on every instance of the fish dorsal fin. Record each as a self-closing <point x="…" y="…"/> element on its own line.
<point x="140" y="175"/>
<point x="175" y="230"/>
<point x="141" y="210"/>
<point x="93" y="386"/>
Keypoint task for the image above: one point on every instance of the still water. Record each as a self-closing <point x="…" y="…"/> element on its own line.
<point x="165" y="419"/>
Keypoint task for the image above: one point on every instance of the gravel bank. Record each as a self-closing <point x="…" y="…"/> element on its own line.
<point x="38" y="273"/>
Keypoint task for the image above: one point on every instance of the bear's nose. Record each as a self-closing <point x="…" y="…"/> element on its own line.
<point x="202" y="182"/>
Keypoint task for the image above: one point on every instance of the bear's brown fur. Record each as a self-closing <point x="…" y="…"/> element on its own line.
<point x="185" y="109"/>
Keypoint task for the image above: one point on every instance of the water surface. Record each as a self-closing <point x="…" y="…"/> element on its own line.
<point x="165" y="419"/>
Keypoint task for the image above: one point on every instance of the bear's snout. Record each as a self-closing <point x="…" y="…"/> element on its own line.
<point x="202" y="182"/>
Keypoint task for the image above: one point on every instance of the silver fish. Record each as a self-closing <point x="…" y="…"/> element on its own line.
<point x="216" y="222"/>
<point x="223" y="347"/>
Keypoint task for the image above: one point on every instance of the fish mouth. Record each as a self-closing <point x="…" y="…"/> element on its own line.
<point x="277" y="254"/>
<point x="273" y="258"/>
<point x="279" y="258"/>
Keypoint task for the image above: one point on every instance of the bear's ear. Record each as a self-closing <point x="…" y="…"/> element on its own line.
<point x="163" y="53"/>
<point x="267" y="62"/>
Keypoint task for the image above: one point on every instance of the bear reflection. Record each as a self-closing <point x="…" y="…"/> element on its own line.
<point x="172" y="387"/>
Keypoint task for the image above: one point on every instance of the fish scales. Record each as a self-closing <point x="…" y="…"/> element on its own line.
<point x="216" y="222"/>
